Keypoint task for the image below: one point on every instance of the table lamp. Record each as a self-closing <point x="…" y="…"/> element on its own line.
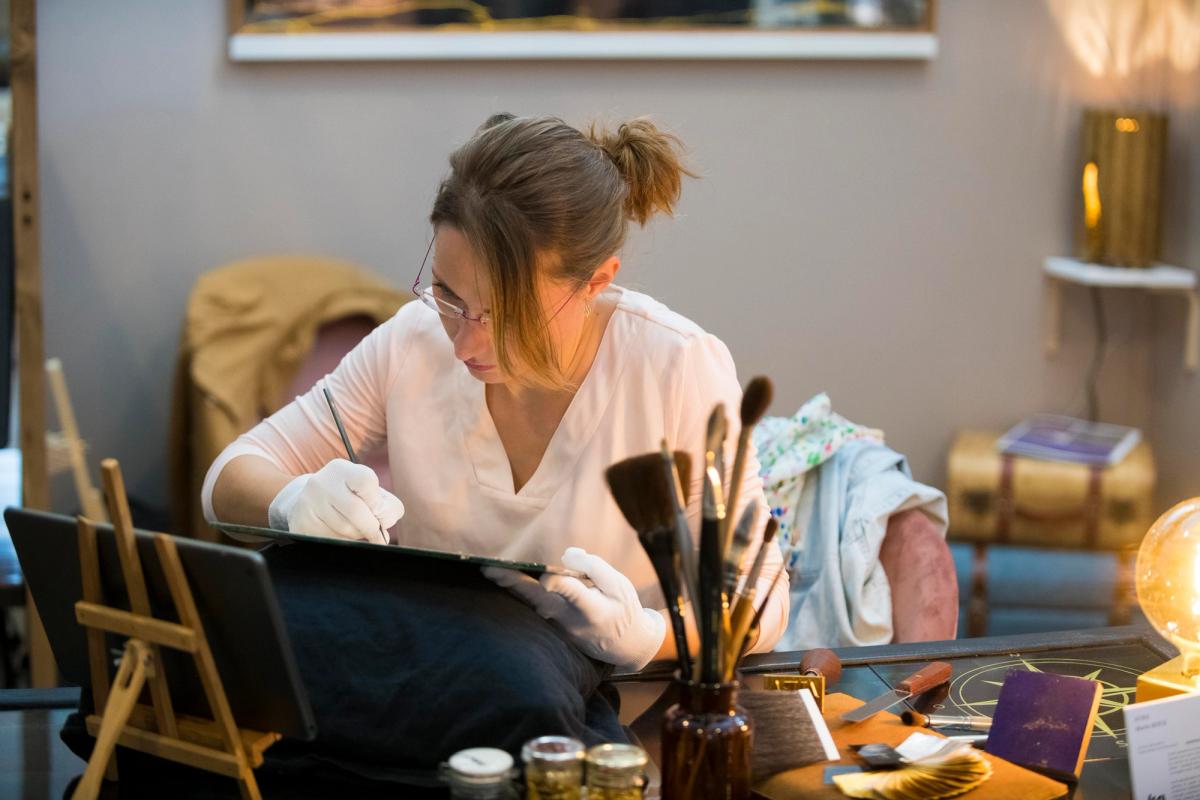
<point x="1124" y="160"/>
<point x="1168" y="589"/>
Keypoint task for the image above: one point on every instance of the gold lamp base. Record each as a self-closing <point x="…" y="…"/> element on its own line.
<point x="1166" y="680"/>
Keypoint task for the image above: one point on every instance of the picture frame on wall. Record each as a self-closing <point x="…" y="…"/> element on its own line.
<point x="354" y="30"/>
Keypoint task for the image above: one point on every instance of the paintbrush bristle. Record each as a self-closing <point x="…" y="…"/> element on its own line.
<point x="755" y="400"/>
<point x="770" y="531"/>
<point x="642" y="492"/>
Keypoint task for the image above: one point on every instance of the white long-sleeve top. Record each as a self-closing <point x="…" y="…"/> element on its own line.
<point x="656" y="374"/>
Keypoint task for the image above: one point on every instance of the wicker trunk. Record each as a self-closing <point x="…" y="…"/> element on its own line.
<point x="1025" y="501"/>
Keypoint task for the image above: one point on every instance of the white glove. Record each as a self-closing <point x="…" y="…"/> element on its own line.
<point x="341" y="500"/>
<point x="607" y="621"/>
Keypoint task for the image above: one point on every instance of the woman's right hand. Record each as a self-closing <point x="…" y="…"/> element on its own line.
<point x="342" y="500"/>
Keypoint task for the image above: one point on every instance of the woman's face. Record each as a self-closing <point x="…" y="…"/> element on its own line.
<point x="459" y="279"/>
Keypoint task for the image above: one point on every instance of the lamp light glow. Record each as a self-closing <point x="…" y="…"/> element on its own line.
<point x="1168" y="590"/>
<point x="1091" y="195"/>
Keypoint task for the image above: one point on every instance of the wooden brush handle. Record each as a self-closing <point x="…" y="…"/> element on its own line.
<point x="735" y="480"/>
<point x="822" y="661"/>
<point x="926" y="677"/>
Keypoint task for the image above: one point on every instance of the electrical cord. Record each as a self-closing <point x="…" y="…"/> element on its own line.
<point x="1093" y="373"/>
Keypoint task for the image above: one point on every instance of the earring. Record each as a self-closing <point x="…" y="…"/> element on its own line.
<point x="587" y="308"/>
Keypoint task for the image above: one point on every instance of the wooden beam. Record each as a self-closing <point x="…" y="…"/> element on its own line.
<point x="28" y="305"/>
<point x="156" y="631"/>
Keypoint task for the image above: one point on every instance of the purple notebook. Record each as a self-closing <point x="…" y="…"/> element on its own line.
<point x="1058" y="438"/>
<point x="1044" y="721"/>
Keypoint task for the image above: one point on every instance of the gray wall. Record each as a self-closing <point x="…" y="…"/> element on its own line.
<point x="1175" y="392"/>
<point x="875" y="230"/>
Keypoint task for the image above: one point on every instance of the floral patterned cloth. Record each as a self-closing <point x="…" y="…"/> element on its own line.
<point x="789" y="447"/>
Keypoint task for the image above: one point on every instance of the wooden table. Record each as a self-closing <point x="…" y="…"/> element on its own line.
<point x="1114" y="656"/>
<point x="33" y="758"/>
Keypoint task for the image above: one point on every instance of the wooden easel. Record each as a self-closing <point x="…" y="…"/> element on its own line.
<point x="66" y="450"/>
<point x="217" y="744"/>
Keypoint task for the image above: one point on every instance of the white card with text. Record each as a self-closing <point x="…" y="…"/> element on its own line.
<point x="1164" y="748"/>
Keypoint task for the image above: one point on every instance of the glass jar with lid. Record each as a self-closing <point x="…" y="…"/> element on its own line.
<point x="616" y="772"/>
<point x="553" y="768"/>
<point x="480" y="773"/>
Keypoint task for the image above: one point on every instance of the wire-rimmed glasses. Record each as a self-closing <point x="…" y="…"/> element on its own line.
<point x="447" y="309"/>
<point x="429" y="297"/>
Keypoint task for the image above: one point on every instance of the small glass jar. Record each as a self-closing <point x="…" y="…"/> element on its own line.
<point x="553" y="768"/>
<point x="480" y="773"/>
<point x="616" y="772"/>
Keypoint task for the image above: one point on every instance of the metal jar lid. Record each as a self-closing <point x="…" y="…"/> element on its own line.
<point x="481" y="764"/>
<point x="553" y="750"/>
<point x="617" y="757"/>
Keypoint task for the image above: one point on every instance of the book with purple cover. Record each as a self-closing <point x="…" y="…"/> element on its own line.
<point x="1044" y="722"/>
<point x="1059" y="438"/>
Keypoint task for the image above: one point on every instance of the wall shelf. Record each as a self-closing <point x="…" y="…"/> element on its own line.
<point x="471" y="45"/>
<point x="1159" y="278"/>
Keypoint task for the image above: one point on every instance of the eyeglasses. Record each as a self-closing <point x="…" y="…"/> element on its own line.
<point x="428" y="296"/>
<point x="446" y="309"/>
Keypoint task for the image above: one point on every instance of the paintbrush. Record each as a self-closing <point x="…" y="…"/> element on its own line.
<point x="640" y="487"/>
<point x="337" y="420"/>
<point x="713" y="621"/>
<point x="678" y="471"/>
<point x="737" y="548"/>
<point x="743" y="609"/>
<point x="752" y="628"/>
<point x="755" y="400"/>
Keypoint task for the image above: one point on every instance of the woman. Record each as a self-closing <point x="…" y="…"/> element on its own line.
<point x="504" y="395"/>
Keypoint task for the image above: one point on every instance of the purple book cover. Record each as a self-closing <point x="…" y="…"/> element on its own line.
<point x="1060" y="438"/>
<point x="1044" y="721"/>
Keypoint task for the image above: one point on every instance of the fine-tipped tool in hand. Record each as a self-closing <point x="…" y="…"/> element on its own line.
<point x="644" y="495"/>
<point x="353" y="459"/>
<point x="927" y="677"/>
<point x="755" y="400"/>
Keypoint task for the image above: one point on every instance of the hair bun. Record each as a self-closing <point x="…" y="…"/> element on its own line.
<point x="650" y="160"/>
<point x="494" y="120"/>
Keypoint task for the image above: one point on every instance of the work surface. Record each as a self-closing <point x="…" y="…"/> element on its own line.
<point x="35" y="765"/>
<point x="1113" y="656"/>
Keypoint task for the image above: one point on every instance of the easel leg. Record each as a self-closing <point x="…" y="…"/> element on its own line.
<point x="247" y="786"/>
<point x="123" y="695"/>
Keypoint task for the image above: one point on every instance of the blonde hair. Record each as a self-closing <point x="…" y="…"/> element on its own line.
<point x="532" y="193"/>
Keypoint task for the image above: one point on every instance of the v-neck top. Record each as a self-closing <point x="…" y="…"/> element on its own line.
<point x="656" y="374"/>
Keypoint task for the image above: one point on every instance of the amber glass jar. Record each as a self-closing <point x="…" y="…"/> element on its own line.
<point x="706" y="739"/>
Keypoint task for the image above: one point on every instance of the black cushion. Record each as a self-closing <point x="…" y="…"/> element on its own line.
<point x="406" y="661"/>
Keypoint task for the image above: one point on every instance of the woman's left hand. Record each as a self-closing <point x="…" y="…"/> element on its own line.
<point x="606" y="621"/>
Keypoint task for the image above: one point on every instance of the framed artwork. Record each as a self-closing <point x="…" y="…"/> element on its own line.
<point x="347" y="30"/>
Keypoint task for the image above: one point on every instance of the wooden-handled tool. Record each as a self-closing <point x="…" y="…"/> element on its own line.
<point x="819" y="669"/>
<point x="754" y="404"/>
<point x="971" y="722"/>
<point x="743" y="607"/>
<point x="925" y="678"/>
